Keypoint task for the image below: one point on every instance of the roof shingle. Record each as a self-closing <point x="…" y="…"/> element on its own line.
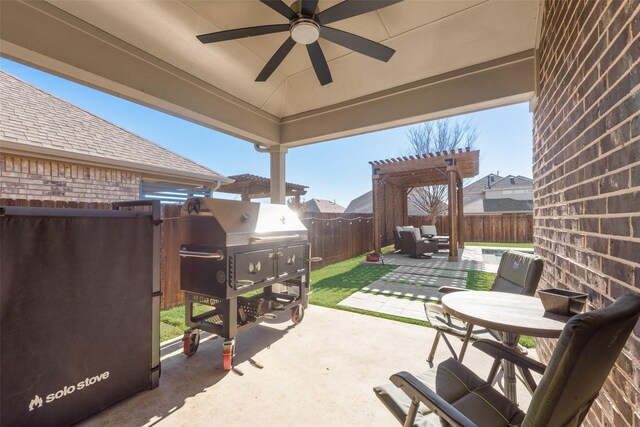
<point x="37" y="119"/>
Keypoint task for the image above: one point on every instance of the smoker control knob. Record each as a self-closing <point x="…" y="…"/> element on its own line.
<point x="245" y="217"/>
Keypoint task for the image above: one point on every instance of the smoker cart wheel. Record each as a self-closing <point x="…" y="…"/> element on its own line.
<point x="297" y="314"/>
<point x="191" y="342"/>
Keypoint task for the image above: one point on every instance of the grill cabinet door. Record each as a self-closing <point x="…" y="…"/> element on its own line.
<point x="255" y="266"/>
<point x="291" y="259"/>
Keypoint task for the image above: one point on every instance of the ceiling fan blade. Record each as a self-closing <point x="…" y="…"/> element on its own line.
<point x="350" y="8"/>
<point x="240" y="33"/>
<point x="357" y="43"/>
<point x="275" y="60"/>
<point x="319" y="63"/>
<point x="281" y="7"/>
<point x="309" y="7"/>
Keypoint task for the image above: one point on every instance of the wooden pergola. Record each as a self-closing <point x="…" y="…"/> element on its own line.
<point x="257" y="187"/>
<point x="393" y="179"/>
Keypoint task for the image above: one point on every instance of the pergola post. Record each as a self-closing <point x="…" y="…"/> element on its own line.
<point x="377" y="244"/>
<point x="452" y="174"/>
<point x="245" y="195"/>
<point x="460" y="214"/>
<point x="278" y="184"/>
<point x="405" y="206"/>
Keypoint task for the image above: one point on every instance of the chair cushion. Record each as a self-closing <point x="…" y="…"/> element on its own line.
<point x="428" y="230"/>
<point x="464" y="390"/>
<point x="472" y="396"/>
<point x="514" y="275"/>
<point x="398" y="403"/>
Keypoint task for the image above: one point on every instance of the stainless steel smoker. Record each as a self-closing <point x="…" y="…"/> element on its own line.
<point x="232" y="253"/>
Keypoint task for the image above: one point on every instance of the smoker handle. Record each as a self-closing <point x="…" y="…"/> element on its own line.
<point x="315" y="259"/>
<point x="274" y="238"/>
<point x="211" y="255"/>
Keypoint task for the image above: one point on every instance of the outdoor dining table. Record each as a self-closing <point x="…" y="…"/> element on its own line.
<point x="511" y="314"/>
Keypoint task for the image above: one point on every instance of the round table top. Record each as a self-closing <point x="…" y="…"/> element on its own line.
<point x="511" y="313"/>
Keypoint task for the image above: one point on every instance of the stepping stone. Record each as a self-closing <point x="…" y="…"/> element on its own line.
<point x="386" y="304"/>
<point x="404" y="290"/>
<point x="424" y="271"/>
<point x="421" y="280"/>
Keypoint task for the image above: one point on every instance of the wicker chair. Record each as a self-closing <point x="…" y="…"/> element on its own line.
<point x="416" y="247"/>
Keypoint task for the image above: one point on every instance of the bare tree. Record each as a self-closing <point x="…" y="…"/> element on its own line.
<point x="432" y="137"/>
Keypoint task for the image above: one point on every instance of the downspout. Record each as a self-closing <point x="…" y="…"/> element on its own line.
<point x="261" y="149"/>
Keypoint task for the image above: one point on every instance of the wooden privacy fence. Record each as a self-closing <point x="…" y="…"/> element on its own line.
<point x="505" y="228"/>
<point x="336" y="237"/>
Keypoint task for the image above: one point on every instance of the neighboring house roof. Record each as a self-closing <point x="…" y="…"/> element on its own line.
<point x="479" y="185"/>
<point x="499" y="200"/>
<point x="507" y="205"/>
<point x="321" y="205"/>
<point x="33" y="121"/>
<point x="511" y="181"/>
<point x="364" y="204"/>
<point x="361" y="204"/>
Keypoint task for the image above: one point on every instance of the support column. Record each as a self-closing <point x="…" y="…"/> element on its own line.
<point x="405" y="206"/>
<point x="377" y="244"/>
<point x="453" y="220"/>
<point x="460" y="214"/>
<point x="244" y="196"/>
<point x="278" y="184"/>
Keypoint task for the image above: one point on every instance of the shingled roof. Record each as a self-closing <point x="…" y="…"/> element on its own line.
<point x="33" y="121"/>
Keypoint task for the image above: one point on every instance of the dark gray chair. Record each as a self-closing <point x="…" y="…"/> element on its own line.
<point x="518" y="273"/>
<point x="415" y="246"/>
<point x="584" y="355"/>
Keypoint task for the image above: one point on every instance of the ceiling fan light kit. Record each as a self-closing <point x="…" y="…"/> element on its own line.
<point x="305" y="31"/>
<point x="305" y="27"/>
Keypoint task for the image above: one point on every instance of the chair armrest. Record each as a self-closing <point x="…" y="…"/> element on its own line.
<point x="417" y="391"/>
<point x="500" y="351"/>
<point x="450" y="289"/>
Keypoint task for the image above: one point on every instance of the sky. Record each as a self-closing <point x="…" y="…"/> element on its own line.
<point x="336" y="170"/>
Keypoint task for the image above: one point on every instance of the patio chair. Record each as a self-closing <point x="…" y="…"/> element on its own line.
<point x="584" y="355"/>
<point x="416" y="247"/>
<point x="431" y="232"/>
<point x="518" y="273"/>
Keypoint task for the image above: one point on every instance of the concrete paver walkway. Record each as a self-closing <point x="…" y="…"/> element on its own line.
<point x="419" y="280"/>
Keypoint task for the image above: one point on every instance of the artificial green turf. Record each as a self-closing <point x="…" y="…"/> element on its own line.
<point x="479" y="280"/>
<point x="333" y="283"/>
<point x="501" y="245"/>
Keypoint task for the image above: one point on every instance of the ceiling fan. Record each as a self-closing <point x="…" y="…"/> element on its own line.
<point x="305" y="27"/>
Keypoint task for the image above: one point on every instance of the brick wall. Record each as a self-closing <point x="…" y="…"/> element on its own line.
<point x="41" y="179"/>
<point x="587" y="171"/>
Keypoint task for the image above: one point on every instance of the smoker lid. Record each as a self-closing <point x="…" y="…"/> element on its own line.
<point x="245" y="217"/>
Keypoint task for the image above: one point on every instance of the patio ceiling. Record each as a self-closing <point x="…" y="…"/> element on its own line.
<point x="451" y="57"/>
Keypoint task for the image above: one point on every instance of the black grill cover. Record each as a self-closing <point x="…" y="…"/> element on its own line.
<point x="76" y="312"/>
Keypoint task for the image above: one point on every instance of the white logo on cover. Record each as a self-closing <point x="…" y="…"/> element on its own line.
<point x="36" y="402"/>
<point x="516" y="264"/>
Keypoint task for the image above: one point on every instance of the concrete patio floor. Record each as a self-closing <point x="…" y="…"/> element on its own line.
<point x="319" y="373"/>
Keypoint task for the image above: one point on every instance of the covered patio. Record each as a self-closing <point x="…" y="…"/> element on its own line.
<point x="575" y="62"/>
<point x="307" y="374"/>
